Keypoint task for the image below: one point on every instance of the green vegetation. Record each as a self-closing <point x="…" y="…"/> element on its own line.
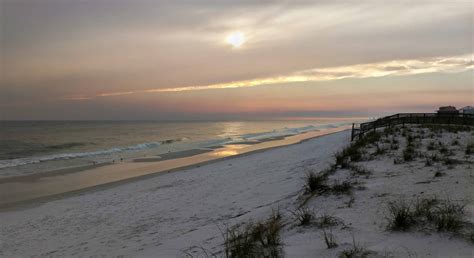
<point x="344" y="187"/>
<point x="449" y="216"/>
<point x="438" y="128"/>
<point x="359" y="170"/>
<point x="409" y="153"/>
<point x="353" y="152"/>
<point x="400" y="216"/>
<point x="431" y="212"/>
<point x="316" y="183"/>
<point x="325" y="221"/>
<point x="431" y="146"/>
<point x="304" y="216"/>
<point x="357" y="251"/>
<point x="470" y="148"/>
<point x="329" y="239"/>
<point x="255" y="239"/>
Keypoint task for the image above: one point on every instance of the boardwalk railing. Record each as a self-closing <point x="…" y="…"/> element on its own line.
<point x="411" y="118"/>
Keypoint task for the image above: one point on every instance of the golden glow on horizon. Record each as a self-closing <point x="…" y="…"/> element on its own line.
<point x="372" y="70"/>
<point x="236" y="39"/>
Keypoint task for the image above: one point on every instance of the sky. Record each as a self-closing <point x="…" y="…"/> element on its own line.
<point x="179" y="60"/>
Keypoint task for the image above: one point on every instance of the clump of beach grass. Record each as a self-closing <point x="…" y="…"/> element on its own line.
<point x="304" y="216"/>
<point x="329" y="239"/>
<point x="428" y="212"/>
<point x="379" y="150"/>
<point x="431" y="145"/>
<point x="400" y="215"/>
<point x="357" y="251"/>
<point x="449" y="216"/>
<point x="325" y="221"/>
<point x="359" y="170"/>
<point x="354" y="152"/>
<point x="344" y="187"/>
<point x="316" y="182"/>
<point x="260" y="239"/>
<point x="470" y="148"/>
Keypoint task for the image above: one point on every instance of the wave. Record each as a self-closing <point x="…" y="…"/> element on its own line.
<point x="261" y="136"/>
<point x="61" y="156"/>
<point x="12" y="149"/>
<point x="279" y="133"/>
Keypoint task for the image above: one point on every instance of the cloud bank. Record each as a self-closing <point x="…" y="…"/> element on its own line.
<point x="452" y="64"/>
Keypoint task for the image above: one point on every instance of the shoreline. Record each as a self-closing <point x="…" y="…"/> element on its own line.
<point x="41" y="189"/>
<point x="186" y="211"/>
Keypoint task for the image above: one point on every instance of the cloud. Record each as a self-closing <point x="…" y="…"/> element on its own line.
<point x="452" y="64"/>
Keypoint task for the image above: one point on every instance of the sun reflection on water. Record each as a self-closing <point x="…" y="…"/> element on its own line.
<point x="229" y="150"/>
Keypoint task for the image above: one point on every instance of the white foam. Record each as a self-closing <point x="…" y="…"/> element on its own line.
<point x="33" y="160"/>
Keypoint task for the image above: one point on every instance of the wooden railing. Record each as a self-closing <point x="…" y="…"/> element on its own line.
<point x="411" y="118"/>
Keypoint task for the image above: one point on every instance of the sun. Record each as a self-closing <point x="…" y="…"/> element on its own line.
<point x="236" y="39"/>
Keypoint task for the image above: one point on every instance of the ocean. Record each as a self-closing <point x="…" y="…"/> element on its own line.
<point x="29" y="147"/>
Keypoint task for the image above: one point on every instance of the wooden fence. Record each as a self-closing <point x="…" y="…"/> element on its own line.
<point x="411" y="118"/>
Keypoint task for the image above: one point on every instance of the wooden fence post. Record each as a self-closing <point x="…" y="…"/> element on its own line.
<point x="352" y="132"/>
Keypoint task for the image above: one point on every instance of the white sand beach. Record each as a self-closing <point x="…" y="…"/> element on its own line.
<point x="188" y="210"/>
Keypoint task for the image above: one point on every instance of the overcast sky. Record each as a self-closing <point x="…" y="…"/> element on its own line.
<point x="134" y="59"/>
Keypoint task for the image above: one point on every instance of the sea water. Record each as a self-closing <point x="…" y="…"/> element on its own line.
<point x="28" y="147"/>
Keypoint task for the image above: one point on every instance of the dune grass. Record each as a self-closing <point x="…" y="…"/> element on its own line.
<point x="316" y="183"/>
<point x="329" y="239"/>
<point x="260" y="239"/>
<point x="304" y="216"/>
<point x="428" y="213"/>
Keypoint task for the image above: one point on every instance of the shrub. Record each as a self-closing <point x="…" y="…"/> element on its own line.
<point x="255" y="240"/>
<point x="400" y="216"/>
<point x="316" y="183"/>
<point x="438" y="174"/>
<point x="304" y="216"/>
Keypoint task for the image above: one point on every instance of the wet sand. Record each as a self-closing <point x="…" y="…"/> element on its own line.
<point x="173" y="155"/>
<point x="26" y="190"/>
